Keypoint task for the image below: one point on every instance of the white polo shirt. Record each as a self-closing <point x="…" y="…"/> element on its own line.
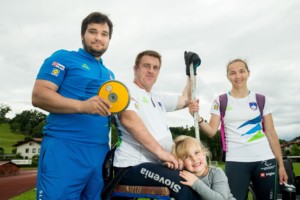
<point x="152" y="111"/>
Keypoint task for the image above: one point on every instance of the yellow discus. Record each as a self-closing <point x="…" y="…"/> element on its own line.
<point x="116" y="93"/>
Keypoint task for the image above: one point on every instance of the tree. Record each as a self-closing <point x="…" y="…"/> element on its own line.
<point x="295" y="150"/>
<point x="287" y="152"/>
<point x="26" y="121"/>
<point x="35" y="160"/>
<point x="2" y="151"/>
<point x="176" y="131"/>
<point x="114" y="134"/>
<point x="4" y="109"/>
<point x="37" y="131"/>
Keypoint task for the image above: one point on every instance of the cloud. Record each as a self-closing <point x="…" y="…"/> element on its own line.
<point x="265" y="33"/>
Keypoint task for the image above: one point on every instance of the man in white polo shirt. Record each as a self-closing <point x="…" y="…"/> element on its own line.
<point x="145" y="138"/>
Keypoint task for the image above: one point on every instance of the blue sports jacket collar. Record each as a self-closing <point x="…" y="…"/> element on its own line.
<point x="88" y="55"/>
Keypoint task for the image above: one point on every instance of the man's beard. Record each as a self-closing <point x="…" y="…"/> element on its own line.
<point x="94" y="52"/>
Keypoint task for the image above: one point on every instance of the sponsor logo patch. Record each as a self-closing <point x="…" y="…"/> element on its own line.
<point x="145" y="100"/>
<point x="55" y="72"/>
<point x="262" y="175"/>
<point x="58" y="65"/>
<point x="267" y="166"/>
<point x="216" y="105"/>
<point x="85" y="66"/>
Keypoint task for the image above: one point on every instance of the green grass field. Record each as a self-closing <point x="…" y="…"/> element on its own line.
<point x="29" y="195"/>
<point x="8" y="138"/>
<point x="296" y="167"/>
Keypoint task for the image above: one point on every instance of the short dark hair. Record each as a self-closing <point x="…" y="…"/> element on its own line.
<point x="147" y="53"/>
<point x="98" y="18"/>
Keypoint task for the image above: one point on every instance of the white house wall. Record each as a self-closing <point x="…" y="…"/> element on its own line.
<point x="29" y="149"/>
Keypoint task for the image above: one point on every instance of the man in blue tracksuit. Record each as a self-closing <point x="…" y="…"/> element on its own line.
<point x="76" y="132"/>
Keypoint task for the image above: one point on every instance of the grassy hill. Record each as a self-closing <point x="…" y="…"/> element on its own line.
<point x="7" y="138"/>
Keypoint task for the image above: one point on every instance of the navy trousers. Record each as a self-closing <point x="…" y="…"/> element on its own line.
<point x="151" y="174"/>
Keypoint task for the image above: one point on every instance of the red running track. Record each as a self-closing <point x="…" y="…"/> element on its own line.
<point x="11" y="186"/>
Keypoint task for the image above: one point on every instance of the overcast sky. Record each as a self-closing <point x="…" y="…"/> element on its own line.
<point x="265" y="33"/>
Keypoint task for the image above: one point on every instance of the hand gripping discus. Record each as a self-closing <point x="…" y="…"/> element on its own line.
<point x="192" y="61"/>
